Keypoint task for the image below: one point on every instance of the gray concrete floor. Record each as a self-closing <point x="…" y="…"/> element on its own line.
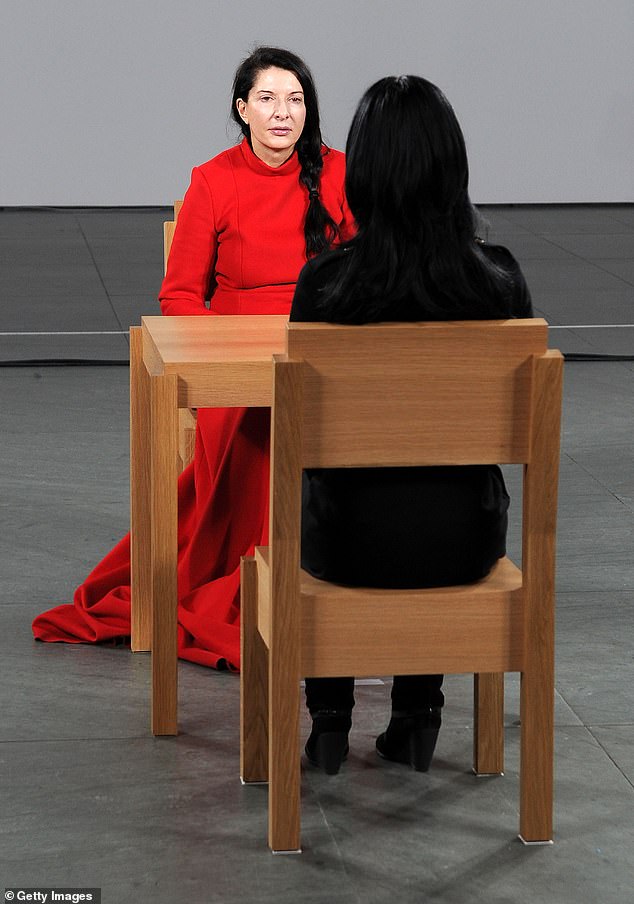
<point x="89" y="798"/>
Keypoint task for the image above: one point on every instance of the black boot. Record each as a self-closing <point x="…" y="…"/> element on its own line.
<point x="327" y="746"/>
<point x="411" y="737"/>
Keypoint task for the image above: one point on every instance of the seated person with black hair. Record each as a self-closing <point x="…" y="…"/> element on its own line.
<point x="415" y="257"/>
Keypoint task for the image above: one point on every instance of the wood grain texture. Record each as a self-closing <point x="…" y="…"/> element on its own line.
<point x="360" y="631"/>
<point x="164" y="532"/>
<point x="152" y="358"/>
<point x="263" y="571"/>
<point x="186" y="417"/>
<point x="408" y="395"/>
<point x="192" y="348"/>
<point x="186" y="436"/>
<point x="169" y="227"/>
<point x="284" y="649"/>
<point x="140" y="502"/>
<point x="488" y="723"/>
<point x="253" y="681"/>
<point x="538" y="555"/>
<point x="220" y="361"/>
<point x="388" y="383"/>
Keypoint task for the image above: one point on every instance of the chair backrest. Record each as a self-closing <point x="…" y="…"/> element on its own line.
<point x="467" y="392"/>
<point x="169" y="226"/>
<point x="417" y="393"/>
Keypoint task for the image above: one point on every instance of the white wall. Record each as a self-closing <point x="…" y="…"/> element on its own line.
<point x="111" y="102"/>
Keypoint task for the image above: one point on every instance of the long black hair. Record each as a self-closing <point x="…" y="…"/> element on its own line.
<point x="319" y="228"/>
<point x="407" y="185"/>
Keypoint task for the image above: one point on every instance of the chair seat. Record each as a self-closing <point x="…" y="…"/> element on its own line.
<point x="476" y="627"/>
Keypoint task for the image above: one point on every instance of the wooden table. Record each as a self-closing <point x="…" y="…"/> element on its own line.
<point x="179" y="362"/>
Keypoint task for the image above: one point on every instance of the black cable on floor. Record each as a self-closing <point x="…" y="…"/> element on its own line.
<point x="590" y="356"/>
<point x="66" y="362"/>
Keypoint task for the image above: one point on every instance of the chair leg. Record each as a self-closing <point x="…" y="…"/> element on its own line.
<point x="537" y="701"/>
<point x="186" y="436"/>
<point x="488" y="723"/>
<point x="254" y="679"/>
<point x="284" y="757"/>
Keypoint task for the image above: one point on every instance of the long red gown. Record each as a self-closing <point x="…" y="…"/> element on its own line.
<point x="240" y="239"/>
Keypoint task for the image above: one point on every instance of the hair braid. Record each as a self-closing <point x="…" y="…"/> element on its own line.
<point x="320" y="230"/>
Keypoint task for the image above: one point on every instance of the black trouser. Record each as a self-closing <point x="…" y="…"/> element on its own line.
<point x="409" y="692"/>
<point x="400" y="528"/>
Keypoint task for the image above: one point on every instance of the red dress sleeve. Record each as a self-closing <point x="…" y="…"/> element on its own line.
<point x="192" y="256"/>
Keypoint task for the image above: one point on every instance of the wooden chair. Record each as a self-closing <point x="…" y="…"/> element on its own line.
<point x="186" y="417"/>
<point x="169" y="227"/>
<point x="406" y="394"/>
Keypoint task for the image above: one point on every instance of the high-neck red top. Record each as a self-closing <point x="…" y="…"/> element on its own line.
<point x="239" y="238"/>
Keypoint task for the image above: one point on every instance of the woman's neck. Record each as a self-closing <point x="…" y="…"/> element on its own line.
<point x="271" y="156"/>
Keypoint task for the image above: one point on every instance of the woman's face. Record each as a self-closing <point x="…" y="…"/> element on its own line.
<point x="275" y="114"/>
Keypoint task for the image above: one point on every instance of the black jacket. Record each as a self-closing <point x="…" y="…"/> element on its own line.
<point x="402" y="527"/>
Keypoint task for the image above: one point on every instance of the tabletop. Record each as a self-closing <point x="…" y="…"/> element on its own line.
<point x="220" y="361"/>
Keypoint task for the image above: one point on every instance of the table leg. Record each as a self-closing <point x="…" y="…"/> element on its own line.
<point x="140" y="423"/>
<point x="164" y="543"/>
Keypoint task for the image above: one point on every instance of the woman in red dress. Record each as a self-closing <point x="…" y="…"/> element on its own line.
<point x="250" y="219"/>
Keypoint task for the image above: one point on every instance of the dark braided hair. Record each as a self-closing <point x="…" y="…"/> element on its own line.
<point x="320" y="230"/>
